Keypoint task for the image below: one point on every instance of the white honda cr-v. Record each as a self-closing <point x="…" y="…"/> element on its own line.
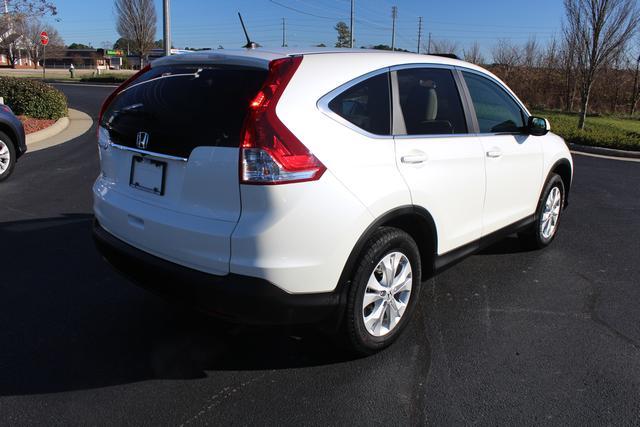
<point x="321" y="186"/>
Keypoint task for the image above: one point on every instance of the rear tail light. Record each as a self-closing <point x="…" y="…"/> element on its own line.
<point x="270" y="153"/>
<point x="119" y="89"/>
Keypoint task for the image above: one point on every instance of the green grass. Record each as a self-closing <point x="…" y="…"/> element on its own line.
<point x="609" y="132"/>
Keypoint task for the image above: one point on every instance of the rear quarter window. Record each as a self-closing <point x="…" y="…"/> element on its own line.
<point x="366" y="105"/>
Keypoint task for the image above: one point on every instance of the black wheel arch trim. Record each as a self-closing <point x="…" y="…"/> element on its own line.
<point x="390" y="219"/>
<point x="567" y="180"/>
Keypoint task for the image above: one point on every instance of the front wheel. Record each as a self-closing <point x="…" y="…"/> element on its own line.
<point x="7" y="156"/>
<point x="384" y="290"/>
<point x="547" y="221"/>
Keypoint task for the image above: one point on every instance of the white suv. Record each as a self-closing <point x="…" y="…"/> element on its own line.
<point x="321" y="186"/>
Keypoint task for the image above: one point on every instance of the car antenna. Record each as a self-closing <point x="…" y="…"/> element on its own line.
<point x="250" y="44"/>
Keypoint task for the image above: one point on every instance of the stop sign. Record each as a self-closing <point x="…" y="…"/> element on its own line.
<point x="44" y="38"/>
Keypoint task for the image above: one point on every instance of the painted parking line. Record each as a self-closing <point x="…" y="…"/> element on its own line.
<point x="622" y="159"/>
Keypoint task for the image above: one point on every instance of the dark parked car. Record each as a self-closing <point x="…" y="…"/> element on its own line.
<point x="12" y="141"/>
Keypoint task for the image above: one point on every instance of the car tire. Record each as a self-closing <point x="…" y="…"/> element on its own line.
<point x="378" y="309"/>
<point x="7" y="156"/>
<point x="548" y="215"/>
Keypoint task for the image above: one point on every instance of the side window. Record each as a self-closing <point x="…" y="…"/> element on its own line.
<point x="495" y="109"/>
<point x="430" y="102"/>
<point x="366" y="105"/>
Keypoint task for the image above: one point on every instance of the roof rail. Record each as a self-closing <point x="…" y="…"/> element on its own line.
<point x="446" y="55"/>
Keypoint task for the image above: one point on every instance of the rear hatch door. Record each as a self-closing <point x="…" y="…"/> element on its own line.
<point x="170" y="172"/>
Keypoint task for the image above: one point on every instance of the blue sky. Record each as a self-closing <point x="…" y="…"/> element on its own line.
<point x="206" y="23"/>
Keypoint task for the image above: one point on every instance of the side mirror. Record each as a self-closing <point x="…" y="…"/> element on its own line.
<point x="538" y="126"/>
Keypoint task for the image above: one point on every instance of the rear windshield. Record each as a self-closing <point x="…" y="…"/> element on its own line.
<point x="184" y="107"/>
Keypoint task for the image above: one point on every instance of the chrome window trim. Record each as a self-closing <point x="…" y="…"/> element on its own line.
<point x="148" y="153"/>
<point x="323" y="104"/>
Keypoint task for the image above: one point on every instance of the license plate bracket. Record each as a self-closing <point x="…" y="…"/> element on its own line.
<point x="148" y="175"/>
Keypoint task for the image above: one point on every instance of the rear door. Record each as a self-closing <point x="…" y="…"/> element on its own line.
<point x="442" y="163"/>
<point x="170" y="168"/>
<point x="513" y="159"/>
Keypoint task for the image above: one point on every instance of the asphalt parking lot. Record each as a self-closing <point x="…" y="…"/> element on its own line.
<point x="507" y="336"/>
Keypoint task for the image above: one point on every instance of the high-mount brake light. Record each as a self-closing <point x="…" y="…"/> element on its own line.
<point x="270" y="153"/>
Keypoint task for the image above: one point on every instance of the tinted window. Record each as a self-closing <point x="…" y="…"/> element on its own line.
<point x="366" y="105"/>
<point x="495" y="109"/>
<point x="183" y="107"/>
<point x="430" y="102"/>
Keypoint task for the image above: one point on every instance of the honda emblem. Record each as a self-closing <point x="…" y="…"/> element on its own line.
<point x="142" y="141"/>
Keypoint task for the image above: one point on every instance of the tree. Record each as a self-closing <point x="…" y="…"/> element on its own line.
<point x="600" y="29"/>
<point x="11" y="27"/>
<point x="507" y="55"/>
<point x="444" y="46"/>
<point x="31" y="7"/>
<point x="635" y="93"/>
<point x="122" y="44"/>
<point x="12" y="23"/>
<point x="473" y="54"/>
<point x="136" y="21"/>
<point x="344" y="34"/>
<point x="531" y="53"/>
<point x="79" y="46"/>
<point x="31" y="41"/>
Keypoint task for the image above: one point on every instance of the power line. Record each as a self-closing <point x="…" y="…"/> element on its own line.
<point x="301" y="11"/>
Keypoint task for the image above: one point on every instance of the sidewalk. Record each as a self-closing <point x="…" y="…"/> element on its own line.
<point x="79" y="124"/>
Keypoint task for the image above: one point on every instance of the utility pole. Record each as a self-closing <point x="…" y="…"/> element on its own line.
<point x="284" y="33"/>
<point x="352" y="23"/>
<point x="394" y="16"/>
<point x="429" y="45"/>
<point x="166" y="28"/>
<point x="419" y="33"/>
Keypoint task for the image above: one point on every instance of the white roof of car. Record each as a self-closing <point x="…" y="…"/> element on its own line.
<point x="260" y="57"/>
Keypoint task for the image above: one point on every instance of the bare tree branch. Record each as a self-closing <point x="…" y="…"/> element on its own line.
<point x="598" y="30"/>
<point x="137" y="22"/>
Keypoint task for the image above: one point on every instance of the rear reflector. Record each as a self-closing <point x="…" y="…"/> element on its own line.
<point x="270" y="153"/>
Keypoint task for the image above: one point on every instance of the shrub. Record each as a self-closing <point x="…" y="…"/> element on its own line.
<point x="33" y="98"/>
<point x="107" y="78"/>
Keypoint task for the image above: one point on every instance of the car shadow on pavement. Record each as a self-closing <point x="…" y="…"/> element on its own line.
<point x="507" y="245"/>
<point x="69" y="322"/>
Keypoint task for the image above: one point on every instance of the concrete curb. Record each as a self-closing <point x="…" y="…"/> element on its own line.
<point x="52" y="130"/>
<point x="78" y="124"/>
<point x="605" y="151"/>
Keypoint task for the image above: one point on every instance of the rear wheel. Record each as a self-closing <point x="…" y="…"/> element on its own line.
<point x="7" y="156"/>
<point x="547" y="221"/>
<point x="384" y="290"/>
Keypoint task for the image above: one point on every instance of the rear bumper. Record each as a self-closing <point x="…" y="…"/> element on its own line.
<point x="232" y="297"/>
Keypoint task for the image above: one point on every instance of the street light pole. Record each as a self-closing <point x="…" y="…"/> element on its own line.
<point x="166" y="28"/>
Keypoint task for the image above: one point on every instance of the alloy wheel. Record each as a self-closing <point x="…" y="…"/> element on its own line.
<point x="5" y="157"/>
<point x="387" y="294"/>
<point x="551" y="213"/>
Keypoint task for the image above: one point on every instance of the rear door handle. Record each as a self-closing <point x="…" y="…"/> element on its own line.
<point x="414" y="159"/>
<point x="494" y="154"/>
